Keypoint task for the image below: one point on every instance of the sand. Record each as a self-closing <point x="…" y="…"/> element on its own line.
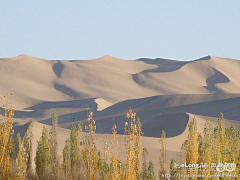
<point x="165" y="94"/>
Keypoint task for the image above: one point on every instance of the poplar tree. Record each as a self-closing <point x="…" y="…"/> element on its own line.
<point x="89" y="150"/>
<point x="74" y="153"/>
<point x="200" y="153"/>
<point x="184" y="151"/>
<point x="221" y="139"/>
<point x="130" y="131"/>
<point x="114" y="162"/>
<point x="72" y="160"/>
<point x="21" y="159"/>
<point x="55" y="160"/>
<point x="103" y="167"/>
<point x="138" y="148"/>
<point x="173" y="169"/>
<point x="67" y="160"/>
<point x="6" y="133"/>
<point x="190" y="149"/>
<point x="145" y="162"/>
<point x="43" y="157"/>
<point x="27" y="144"/>
<point x="150" y="174"/>
<point x="233" y="137"/>
<point x="163" y="156"/>
<point x="207" y="149"/>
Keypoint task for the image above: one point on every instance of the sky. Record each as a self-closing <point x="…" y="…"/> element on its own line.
<point x="127" y="29"/>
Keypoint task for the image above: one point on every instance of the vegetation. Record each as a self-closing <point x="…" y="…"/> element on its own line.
<point x="27" y="144"/>
<point x="217" y="150"/>
<point x="133" y="147"/>
<point x="190" y="149"/>
<point x="6" y="133"/>
<point x="82" y="160"/>
<point x="55" y="160"/>
<point x="43" y="156"/>
<point x="163" y="157"/>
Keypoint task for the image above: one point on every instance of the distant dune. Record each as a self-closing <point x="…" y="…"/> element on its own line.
<point x="164" y="93"/>
<point x="34" y="80"/>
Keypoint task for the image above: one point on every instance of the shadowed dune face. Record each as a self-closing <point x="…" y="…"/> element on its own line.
<point x="218" y="77"/>
<point x="58" y="68"/>
<point x="66" y="90"/>
<point x="163" y="65"/>
<point x="172" y="124"/>
<point x="157" y="113"/>
<point x="204" y="58"/>
<point x="167" y="65"/>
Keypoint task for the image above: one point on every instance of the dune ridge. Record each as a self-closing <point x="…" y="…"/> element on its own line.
<point x="35" y="80"/>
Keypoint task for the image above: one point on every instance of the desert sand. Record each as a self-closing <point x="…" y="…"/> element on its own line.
<point x="165" y="94"/>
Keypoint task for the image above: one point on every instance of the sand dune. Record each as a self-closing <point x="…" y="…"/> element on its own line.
<point x="162" y="108"/>
<point x="109" y="86"/>
<point x="165" y="94"/>
<point x="34" y="80"/>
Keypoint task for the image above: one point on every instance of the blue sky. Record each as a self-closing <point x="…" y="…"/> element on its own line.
<point x="78" y="29"/>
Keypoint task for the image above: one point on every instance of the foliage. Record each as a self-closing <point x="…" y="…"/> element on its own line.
<point x="150" y="172"/>
<point x="190" y="148"/>
<point x="55" y="160"/>
<point x="114" y="159"/>
<point x="43" y="156"/>
<point x="89" y="150"/>
<point x="216" y="148"/>
<point x="163" y="157"/>
<point x="27" y="144"/>
<point x="6" y="133"/>
<point x="72" y="161"/>
<point x="21" y="159"/>
<point x="132" y="147"/>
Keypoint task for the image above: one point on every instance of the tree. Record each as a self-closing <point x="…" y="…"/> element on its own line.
<point x="145" y="162"/>
<point x="89" y="151"/>
<point x="190" y="149"/>
<point x="43" y="157"/>
<point x="173" y="169"/>
<point x="206" y="149"/>
<point x="130" y="131"/>
<point x="150" y="174"/>
<point x="138" y="147"/>
<point x="67" y="160"/>
<point x="21" y="159"/>
<point x="233" y="138"/>
<point x="114" y="162"/>
<point x="103" y="167"/>
<point x="74" y="153"/>
<point x="27" y="144"/>
<point x="163" y="156"/>
<point x="72" y="159"/>
<point x="221" y="139"/>
<point x="55" y="160"/>
<point x="6" y="133"/>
